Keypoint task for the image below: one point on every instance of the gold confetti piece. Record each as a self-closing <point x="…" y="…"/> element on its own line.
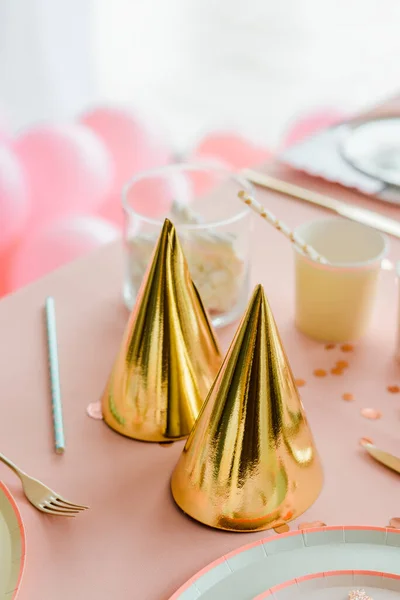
<point x="348" y="397"/>
<point x="320" y="373"/>
<point x="330" y="346"/>
<point x="371" y="413"/>
<point x="342" y="364"/>
<point x="395" y="523"/>
<point x="337" y="371"/>
<point x="300" y="382"/>
<point x="347" y="347"/>
<point x="311" y="525"/>
<point x="393" y="389"/>
<point x="94" y="411"/>
<point x="284" y="528"/>
<point x="365" y="441"/>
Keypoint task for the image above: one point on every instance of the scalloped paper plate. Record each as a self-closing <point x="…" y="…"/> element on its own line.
<point x="12" y="546"/>
<point x="253" y="569"/>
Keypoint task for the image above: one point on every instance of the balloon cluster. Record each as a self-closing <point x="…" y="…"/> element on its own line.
<point x="60" y="185"/>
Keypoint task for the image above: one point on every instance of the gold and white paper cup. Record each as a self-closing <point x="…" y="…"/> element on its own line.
<point x="334" y="301"/>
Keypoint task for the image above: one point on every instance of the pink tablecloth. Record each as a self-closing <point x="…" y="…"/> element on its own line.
<point x="134" y="543"/>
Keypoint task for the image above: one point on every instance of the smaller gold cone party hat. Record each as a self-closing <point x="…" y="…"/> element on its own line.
<point x="169" y="354"/>
<point x="250" y="462"/>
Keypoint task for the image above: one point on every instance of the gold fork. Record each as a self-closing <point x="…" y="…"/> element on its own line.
<point x="42" y="497"/>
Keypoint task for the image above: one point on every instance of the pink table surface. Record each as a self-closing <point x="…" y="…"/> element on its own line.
<point x="134" y="543"/>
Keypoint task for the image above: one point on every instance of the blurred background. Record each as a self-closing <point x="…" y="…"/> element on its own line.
<point x="197" y="64"/>
<point x="183" y="68"/>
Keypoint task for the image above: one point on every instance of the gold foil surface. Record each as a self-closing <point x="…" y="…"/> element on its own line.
<point x="169" y="354"/>
<point x="250" y="462"/>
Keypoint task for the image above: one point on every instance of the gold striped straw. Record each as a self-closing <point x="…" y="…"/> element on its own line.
<point x="282" y="227"/>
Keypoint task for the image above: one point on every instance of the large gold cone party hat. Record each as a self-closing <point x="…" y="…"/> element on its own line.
<point x="250" y="462"/>
<point x="169" y="354"/>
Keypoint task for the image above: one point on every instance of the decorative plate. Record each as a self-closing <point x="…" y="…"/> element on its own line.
<point x="253" y="569"/>
<point x="12" y="545"/>
<point x="336" y="585"/>
<point x="373" y="147"/>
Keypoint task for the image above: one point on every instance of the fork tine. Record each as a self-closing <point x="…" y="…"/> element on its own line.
<point x="57" y="513"/>
<point x="71" y="503"/>
<point x="53" y="506"/>
<point x="67" y="507"/>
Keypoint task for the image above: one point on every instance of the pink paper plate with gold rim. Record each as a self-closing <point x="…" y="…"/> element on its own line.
<point x="336" y="585"/>
<point x="255" y="568"/>
<point x="12" y="546"/>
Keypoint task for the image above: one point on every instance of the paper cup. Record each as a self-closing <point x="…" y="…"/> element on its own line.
<point x="334" y="302"/>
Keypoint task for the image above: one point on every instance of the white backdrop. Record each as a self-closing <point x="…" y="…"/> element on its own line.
<point x="45" y="59"/>
<point x="197" y="64"/>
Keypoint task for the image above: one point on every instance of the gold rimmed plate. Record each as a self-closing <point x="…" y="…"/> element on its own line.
<point x="12" y="546"/>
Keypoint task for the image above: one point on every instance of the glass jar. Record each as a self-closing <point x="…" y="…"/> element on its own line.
<point x="213" y="226"/>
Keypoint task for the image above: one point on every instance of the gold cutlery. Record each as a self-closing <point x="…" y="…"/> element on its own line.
<point x="389" y="460"/>
<point x="42" y="497"/>
<point x="350" y="211"/>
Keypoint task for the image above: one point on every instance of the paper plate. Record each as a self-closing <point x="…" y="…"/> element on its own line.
<point x="12" y="545"/>
<point x="335" y="585"/>
<point x="255" y="568"/>
<point x="373" y="147"/>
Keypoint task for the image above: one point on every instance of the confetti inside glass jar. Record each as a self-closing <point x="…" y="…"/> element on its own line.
<point x="214" y="229"/>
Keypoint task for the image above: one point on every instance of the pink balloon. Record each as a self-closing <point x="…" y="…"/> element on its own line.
<point x="14" y="205"/>
<point x="230" y="148"/>
<point x="56" y="244"/>
<point x="68" y="170"/>
<point x="111" y="210"/>
<point x="6" y="257"/>
<point x="309" y="124"/>
<point x="132" y="141"/>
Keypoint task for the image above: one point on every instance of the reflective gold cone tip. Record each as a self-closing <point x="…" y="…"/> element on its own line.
<point x="169" y="354"/>
<point x="250" y="462"/>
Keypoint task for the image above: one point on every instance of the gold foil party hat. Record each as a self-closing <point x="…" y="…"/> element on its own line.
<point x="169" y="354"/>
<point x="250" y="462"/>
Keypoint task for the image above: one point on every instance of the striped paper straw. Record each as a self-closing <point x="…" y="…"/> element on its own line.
<point x="282" y="227"/>
<point x="58" y="424"/>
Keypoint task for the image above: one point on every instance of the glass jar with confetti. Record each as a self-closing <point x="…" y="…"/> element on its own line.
<point x="213" y="226"/>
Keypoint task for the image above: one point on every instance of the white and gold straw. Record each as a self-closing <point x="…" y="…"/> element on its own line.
<point x="282" y="227"/>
